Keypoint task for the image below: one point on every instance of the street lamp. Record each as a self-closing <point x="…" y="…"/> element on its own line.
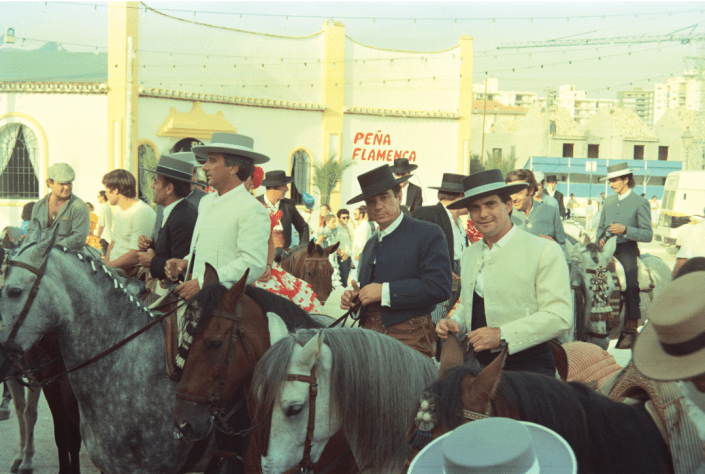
<point x="688" y="139"/>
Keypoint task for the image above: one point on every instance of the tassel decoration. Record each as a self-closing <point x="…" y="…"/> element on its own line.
<point x="425" y="421"/>
<point x="601" y="309"/>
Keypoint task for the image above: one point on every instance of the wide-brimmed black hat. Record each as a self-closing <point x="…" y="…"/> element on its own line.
<point x="485" y="183"/>
<point x="230" y="143"/>
<point x="401" y="165"/>
<point x="174" y="168"/>
<point x="375" y="182"/>
<point x="276" y="178"/>
<point x="551" y="178"/>
<point x="451" y="183"/>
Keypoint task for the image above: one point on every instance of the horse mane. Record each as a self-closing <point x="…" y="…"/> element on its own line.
<point x="375" y="385"/>
<point x="293" y="316"/>
<point x="603" y="434"/>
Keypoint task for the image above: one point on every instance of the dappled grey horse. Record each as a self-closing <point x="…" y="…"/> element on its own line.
<point x="126" y="399"/>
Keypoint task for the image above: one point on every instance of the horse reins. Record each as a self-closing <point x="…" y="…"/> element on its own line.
<point x="306" y="465"/>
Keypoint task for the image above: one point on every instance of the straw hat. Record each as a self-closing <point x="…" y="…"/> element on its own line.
<point x="672" y="345"/>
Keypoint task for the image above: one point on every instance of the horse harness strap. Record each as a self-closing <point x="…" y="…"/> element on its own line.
<point x="306" y="465"/>
<point x="473" y="415"/>
<point x="32" y="294"/>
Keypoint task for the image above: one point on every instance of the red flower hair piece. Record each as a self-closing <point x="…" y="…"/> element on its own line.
<point x="258" y="177"/>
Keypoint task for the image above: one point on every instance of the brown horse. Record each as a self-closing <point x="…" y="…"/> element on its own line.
<point x="310" y="263"/>
<point x="606" y="436"/>
<point x="230" y="334"/>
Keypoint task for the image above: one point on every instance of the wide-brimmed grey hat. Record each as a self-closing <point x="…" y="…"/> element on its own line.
<point x="499" y="446"/>
<point x="615" y="171"/>
<point x="401" y="165"/>
<point x="187" y="156"/>
<point x="174" y="168"/>
<point x="61" y="173"/>
<point x="231" y="143"/>
<point x="375" y="182"/>
<point x="485" y="183"/>
<point x="451" y="183"/>
<point x="276" y="178"/>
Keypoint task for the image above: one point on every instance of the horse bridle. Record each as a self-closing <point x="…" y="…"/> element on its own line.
<point x="306" y="465"/>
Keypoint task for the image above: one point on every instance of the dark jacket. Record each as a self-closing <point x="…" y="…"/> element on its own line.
<point x="290" y="216"/>
<point x="438" y="215"/>
<point x="174" y="238"/>
<point x="195" y="197"/>
<point x="414" y="261"/>
<point x="414" y="198"/>
<point x="559" y="197"/>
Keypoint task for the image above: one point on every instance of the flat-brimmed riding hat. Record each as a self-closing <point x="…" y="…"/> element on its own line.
<point x="401" y="165"/>
<point x="375" y="182"/>
<point x="231" y="143"/>
<point x="615" y="171"/>
<point x="499" y="446"/>
<point x="451" y="183"/>
<point x="61" y="173"/>
<point x="276" y="178"/>
<point x="551" y="178"/>
<point x="187" y="156"/>
<point x="485" y="183"/>
<point x="174" y="168"/>
<point x="672" y="345"/>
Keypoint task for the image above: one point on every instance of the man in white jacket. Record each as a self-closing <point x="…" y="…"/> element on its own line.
<point x="515" y="286"/>
<point x="232" y="229"/>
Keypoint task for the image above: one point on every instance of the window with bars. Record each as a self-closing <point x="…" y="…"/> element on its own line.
<point x="18" y="162"/>
<point x="301" y="171"/>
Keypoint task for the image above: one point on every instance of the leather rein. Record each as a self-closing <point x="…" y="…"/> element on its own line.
<point x="306" y="465"/>
<point x="15" y="352"/>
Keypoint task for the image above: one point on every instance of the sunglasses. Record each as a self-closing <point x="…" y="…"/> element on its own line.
<point x="344" y="217"/>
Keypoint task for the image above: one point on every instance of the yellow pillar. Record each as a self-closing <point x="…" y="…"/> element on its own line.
<point x="333" y="96"/>
<point x="465" y="104"/>
<point x="122" y="89"/>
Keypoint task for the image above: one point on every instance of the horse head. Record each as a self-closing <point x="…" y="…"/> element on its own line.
<point x="226" y="333"/>
<point x="299" y="424"/>
<point x="311" y="264"/>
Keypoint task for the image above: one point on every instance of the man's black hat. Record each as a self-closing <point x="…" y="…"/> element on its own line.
<point x="401" y="165"/>
<point x="376" y="182"/>
<point x="451" y="183"/>
<point x="276" y="178"/>
<point x="485" y="183"/>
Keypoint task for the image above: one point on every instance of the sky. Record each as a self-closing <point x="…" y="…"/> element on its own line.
<point x="497" y="29"/>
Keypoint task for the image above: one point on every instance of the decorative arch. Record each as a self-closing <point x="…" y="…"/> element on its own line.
<point x="43" y="152"/>
<point x="302" y="179"/>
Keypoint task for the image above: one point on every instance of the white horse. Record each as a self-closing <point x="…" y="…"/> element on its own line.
<point x="591" y="258"/>
<point x="26" y="411"/>
<point x="368" y="386"/>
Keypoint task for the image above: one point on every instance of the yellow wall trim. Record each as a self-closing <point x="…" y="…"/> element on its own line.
<point x="195" y="123"/>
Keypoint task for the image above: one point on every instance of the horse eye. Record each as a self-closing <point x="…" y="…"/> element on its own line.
<point x="293" y="410"/>
<point x="309" y="274"/>
<point x="214" y="345"/>
<point x="14" y="292"/>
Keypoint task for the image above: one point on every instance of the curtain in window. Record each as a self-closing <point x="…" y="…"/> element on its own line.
<point x="8" y="139"/>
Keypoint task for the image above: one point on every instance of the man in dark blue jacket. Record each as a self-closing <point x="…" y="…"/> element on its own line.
<point x="404" y="269"/>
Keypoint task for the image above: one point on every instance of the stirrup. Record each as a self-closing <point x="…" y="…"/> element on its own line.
<point x="626" y="339"/>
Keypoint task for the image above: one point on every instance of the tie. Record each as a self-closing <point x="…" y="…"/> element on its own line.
<point x="158" y="224"/>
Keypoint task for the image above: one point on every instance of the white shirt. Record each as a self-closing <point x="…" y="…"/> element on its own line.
<point x="345" y="237"/>
<point x="404" y="192"/>
<point x="231" y="234"/>
<point x="623" y="196"/>
<point x="386" y="299"/>
<point x="693" y="242"/>
<point x="458" y="236"/>
<point x="272" y="209"/>
<point x="128" y="225"/>
<point x="167" y="210"/>
<point x="105" y="220"/>
<point x="362" y="234"/>
<point x="486" y="255"/>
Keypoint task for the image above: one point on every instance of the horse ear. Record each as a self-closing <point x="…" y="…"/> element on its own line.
<point x="210" y="277"/>
<point x="45" y="246"/>
<point x="332" y="248"/>
<point x="277" y="328"/>
<point x="610" y="247"/>
<point x="451" y="356"/>
<point x="309" y="354"/>
<point x="477" y="391"/>
<point x="238" y="288"/>
<point x="311" y="247"/>
<point x="34" y="231"/>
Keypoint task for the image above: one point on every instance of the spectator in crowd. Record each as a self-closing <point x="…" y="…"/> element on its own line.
<point x="105" y="222"/>
<point x="324" y="210"/>
<point x="628" y="216"/>
<point x="550" y="190"/>
<point x="411" y="195"/>
<point x="362" y="234"/>
<point x="516" y="288"/>
<point x="131" y="219"/>
<point x="535" y="217"/>
<point x="26" y="216"/>
<point x="62" y="208"/>
<point x="655" y="206"/>
<point x="171" y="186"/>
<point x="602" y="199"/>
<point x="345" y="237"/>
<point x="570" y="208"/>
<point x="450" y="190"/>
<point x="92" y="240"/>
<point x="233" y="228"/>
<point x="277" y="185"/>
<point x="328" y="235"/>
<point x="693" y="245"/>
<point x="589" y="214"/>
<point x="404" y="270"/>
<point x="539" y="195"/>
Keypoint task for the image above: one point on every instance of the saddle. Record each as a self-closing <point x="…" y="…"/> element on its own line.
<point x="664" y="401"/>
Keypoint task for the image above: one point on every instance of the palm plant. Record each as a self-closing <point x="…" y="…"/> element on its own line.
<point x="328" y="174"/>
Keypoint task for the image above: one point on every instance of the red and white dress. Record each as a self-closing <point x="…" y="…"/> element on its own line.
<point x="287" y="285"/>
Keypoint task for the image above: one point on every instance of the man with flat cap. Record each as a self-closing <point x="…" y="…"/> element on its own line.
<point x="628" y="216"/>
<point x="404" y="269"/>
<point x="63" y="209"/>
<point x="515" y="286"/>
<point x="411" y="195"/>
<point x="277" y="184"/>
<point x="450" y="190"/>
<point x="171" y="186"/>
<point x="232" y="229"/>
